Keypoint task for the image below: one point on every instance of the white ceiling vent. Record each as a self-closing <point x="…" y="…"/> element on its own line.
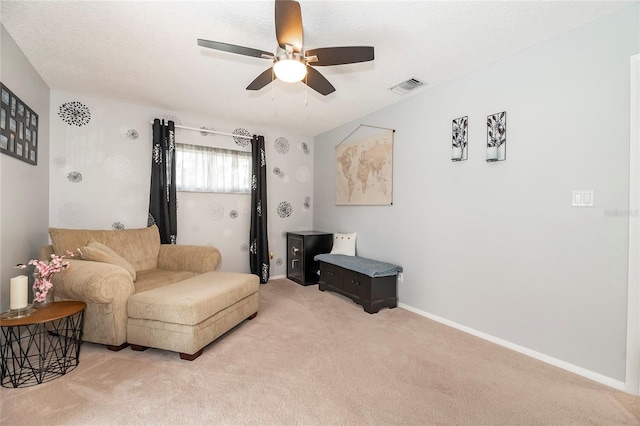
<point x="406" y="86"/>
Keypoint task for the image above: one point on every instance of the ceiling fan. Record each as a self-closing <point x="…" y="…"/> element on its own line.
<point x="290" y="62"/>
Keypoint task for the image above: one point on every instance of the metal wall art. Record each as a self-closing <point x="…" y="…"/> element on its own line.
<point x="18" y="128"/>
<point x="459" y="138"/>
<point x="497" y="136"/>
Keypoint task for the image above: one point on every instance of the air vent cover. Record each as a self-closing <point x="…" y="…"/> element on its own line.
<point x="406" y="86"/>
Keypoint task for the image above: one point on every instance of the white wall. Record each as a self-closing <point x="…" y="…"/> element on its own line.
<point x="24" y="188"/>
<point x="497" y="247"/>
<point x="115" y="170"/>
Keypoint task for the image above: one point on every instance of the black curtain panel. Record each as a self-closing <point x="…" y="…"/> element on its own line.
<point x="259" y="250"/>
<point x="162" y="199"/>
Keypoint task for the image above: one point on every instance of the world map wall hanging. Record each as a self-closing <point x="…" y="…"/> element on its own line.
<point x="18" y="128"/>
<point x="364" y="167"/>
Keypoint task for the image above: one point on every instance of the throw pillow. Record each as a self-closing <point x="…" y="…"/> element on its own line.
<point x="344" y="244"/>
<point x="98" y="252"/>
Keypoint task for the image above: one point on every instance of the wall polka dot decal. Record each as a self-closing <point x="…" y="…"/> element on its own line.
<point x="284" y="209"/>
<point x="307" y="199"/>
<point x="282" y="145"/>
<point x="205" y="133"/>
<point x="306" y="204"/>
<point x="117" y="225"/>
<point x="215" y="211"/>
<point x="233" y="214"/>
<point x="151" y="220"/>
<point x="305" y="148"/>
<point x="133" y="134"/>
<point x="74" y="177"/>
<point x="278" y="172"/>
<point x="279" y="262"/>
<point x="117" y="166"/>
<point x="303" y="174"/>
<point x="74" y="113"/>
<point x="244" y="248"/>
<point x="241" y="141"/>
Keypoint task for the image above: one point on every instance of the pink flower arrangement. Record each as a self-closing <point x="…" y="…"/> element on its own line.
<point x="45" y="271"/>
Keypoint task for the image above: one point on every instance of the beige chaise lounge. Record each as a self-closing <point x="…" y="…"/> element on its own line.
<point x="167" y="296"/>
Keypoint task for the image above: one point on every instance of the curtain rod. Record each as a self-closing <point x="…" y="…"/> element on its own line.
<point x="210" y="131"/>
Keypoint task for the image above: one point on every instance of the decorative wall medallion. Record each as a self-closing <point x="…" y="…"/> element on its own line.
<point x="497" y="136"/>
<point x="459" y="139"/>
<point x="284" y="209"/>
<point x="305" y="148"/>
<point x="74" y="113"/>
<point x="244" y="248"/>
<point x="117" y="226"/>
<point x="117" y="166"/>
<point x="215" y="211"/>
<point x="303" y="174"/>
<point x="133" y="134"/>
<point x="243" y="142"/>
<point x="282" y="145"/>
<point x="233" y="214"/>
<point x="279" y="262"/>
<point x="74" y="177"/>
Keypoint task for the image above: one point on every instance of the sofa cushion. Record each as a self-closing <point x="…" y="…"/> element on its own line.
<point x="152" y="278"/>
<point x="98" y="252"/>
<point x="139" y="247"/>
<point x="193" y="300"/>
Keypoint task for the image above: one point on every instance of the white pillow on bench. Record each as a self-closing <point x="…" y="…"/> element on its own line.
<point x="344" y="244"/>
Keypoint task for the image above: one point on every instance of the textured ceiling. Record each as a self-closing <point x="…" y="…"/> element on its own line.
<point x="145" y="52"/>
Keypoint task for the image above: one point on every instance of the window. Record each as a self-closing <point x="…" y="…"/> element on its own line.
<point x="206" y="169"/>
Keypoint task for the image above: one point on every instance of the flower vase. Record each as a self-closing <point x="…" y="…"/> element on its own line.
<point x="42" y="289"/>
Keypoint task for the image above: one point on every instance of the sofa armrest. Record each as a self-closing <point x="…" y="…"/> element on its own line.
<point x="93" y="282"/>
<point x="199" y="259"/>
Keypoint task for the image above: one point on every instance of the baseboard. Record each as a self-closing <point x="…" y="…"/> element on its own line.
<point x="277" y="277"/>
<point x="596" y="377"/>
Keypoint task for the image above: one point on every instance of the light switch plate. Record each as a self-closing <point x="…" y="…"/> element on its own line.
<point x="582" y="198"/>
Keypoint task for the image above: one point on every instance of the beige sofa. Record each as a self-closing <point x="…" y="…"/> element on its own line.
<point x="116" y="264"/>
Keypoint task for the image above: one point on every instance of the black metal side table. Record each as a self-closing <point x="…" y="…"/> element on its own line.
<point x="43" y="346"/>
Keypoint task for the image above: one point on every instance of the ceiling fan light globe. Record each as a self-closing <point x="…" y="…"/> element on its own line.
<point x="290" y="70"/>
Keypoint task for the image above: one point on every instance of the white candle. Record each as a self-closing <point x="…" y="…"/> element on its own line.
<point x="19" y="292"/>
<point x="456" y="153"/>
<point x="492" y="153"/>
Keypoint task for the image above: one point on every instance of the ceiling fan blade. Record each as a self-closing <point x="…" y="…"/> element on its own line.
<point x="289" y="24"/>
<point x="232" y="48"/>
<point x="262" y="80"/>
<point x="341" y="55"/>
<point x="317" y="82"/>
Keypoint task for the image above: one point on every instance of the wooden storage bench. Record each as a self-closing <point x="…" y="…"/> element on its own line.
<point x="367" y="282"/>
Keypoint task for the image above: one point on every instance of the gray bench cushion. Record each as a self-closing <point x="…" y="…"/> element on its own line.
<point x="370" y="267"/>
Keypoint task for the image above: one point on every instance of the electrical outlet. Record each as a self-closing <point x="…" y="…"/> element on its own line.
<point x="400" y="277"/>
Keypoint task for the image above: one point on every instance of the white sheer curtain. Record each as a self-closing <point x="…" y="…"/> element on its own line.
<point x="206" y="169"/>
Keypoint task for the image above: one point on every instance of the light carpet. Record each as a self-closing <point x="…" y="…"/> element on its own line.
<point x="316" y="358"/>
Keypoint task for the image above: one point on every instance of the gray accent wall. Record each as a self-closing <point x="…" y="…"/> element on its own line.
<point x="497" y="247"/>
<point x="24" y="188"/>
